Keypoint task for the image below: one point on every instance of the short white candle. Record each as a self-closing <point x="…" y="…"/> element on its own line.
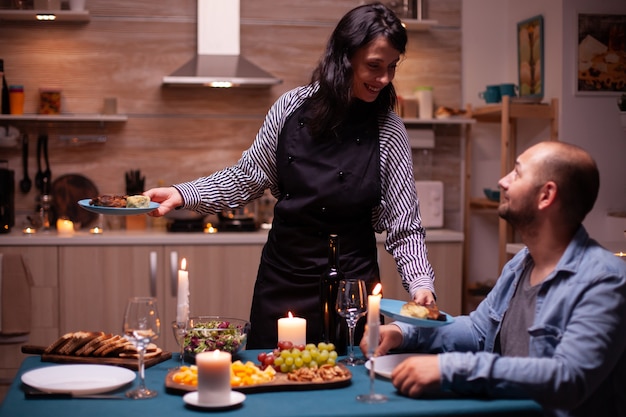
<point x="292" y="329"/>
<point x="182" y="305"/>
<point x="65" y="227"/>
<point x="214" y="377"/>
<point x="373" y="317"/>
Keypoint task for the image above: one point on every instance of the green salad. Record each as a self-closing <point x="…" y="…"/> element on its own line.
<point x="212" y="335"/>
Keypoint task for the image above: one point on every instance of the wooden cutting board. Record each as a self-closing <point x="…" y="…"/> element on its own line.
<point x="130" y="363"/>
<point x="279" y="383"/>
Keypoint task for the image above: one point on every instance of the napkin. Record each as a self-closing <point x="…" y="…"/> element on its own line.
<point x="15" y="304"/>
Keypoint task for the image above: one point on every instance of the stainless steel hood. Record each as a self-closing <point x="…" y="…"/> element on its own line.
<point x="218" y="62"/>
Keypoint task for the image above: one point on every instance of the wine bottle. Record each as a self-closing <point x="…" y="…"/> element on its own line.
<point x="333" y="330"/>
<point x="5" y="91"/>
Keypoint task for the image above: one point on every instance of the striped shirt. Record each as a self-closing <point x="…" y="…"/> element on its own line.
<point x="397" y="214"/>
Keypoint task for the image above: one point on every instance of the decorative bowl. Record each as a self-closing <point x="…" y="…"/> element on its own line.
<point x="493" y="195"/>
<point x="208" y="333"/>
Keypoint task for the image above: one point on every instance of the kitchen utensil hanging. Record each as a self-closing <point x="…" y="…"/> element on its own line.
<point x="25" y="183"/>
<point x="39" y="173"/>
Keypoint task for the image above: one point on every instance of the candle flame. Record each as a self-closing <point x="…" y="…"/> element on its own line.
<point x="377" y="289"/>
<point x="183" y="264"/>
<point x="290" y="315"/>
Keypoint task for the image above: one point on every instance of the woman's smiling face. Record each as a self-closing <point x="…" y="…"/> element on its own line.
<point x="374" y="66"/>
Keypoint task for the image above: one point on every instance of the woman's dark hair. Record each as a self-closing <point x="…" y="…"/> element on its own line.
<point x="334" y="72"/>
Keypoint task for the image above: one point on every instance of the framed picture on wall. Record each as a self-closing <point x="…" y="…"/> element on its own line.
<point x="601" y="54"/>
<point x="530" y="59"/>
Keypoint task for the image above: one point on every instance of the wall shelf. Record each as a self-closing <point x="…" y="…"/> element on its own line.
<point x="454" y="120"/>
<point x="418" y="25"/>
<point x="31" y="15"/>
<point x="65" y="117"/>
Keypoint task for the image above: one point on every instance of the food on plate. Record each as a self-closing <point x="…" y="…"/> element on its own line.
<point x="322" y="374"/>
<point x="121" y="201"/>
<point x="443" y="112"/>
<point x="241" y="374"/>
<point x="137" y="201"/>
<point x="288" y="357"/>
<point x="97" y="344"/>
<point x="429" y="311"/>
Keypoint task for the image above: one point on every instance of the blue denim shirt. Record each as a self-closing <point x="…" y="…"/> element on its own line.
<point x="577" y="353"/>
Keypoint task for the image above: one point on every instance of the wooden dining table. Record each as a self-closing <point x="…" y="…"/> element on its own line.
<point x="337" y="401"/>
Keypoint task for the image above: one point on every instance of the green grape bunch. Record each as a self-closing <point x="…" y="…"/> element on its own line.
<point x="287" y="357"/>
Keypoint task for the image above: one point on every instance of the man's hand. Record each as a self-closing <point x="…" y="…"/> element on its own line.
<point x="416" y="375"/>
<point x="390" y="337"/>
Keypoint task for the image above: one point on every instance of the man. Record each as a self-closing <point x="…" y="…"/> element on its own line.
<point x="554" y="326"/>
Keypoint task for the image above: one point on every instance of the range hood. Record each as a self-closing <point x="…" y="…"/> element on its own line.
<point x="219" y="62"/>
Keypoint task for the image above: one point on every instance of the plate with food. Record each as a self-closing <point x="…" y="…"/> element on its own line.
<point x="119" y="205"/>
<point x="415" y="314"/>
<point x="78" y="379"/>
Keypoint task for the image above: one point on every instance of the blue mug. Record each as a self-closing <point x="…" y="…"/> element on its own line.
<point x="508" y="90"/>
<point x="491" y="94"/>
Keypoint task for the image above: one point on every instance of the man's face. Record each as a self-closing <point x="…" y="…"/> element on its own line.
<point x="518" y="204"/>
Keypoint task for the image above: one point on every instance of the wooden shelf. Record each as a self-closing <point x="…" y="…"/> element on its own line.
<point x="454" y="120"/>
<point x="483" y="203"/>
<point x="31" y="15"/>
<point x="418" y="25"/>
<point x="65" y="117"/>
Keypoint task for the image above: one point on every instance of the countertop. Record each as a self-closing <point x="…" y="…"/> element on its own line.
<point x="158" y="237"/>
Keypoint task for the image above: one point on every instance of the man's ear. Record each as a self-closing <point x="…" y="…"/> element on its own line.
<point x="547" y="194"/>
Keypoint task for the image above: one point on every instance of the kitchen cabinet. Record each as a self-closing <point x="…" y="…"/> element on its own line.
<point x="507" y="114"/>
<point x="43" y="264"/>
<point x="96" y="282"/>
<point x="446" y="259"/>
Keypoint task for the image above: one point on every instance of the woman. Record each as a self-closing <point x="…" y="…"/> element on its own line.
<point x="337" y="159"/>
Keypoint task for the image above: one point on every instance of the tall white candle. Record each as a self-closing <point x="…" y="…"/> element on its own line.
<point x="292" y="329"/>
<point x="214" y="377"/>
<point x="65" y="227"/>
<point x="182" y="306"/>
<point x="373" y="317"/>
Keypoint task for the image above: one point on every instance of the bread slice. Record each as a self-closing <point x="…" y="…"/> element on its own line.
<point x="89" y="348"/>
<point x="78" y="340"/>
<point x="58" y="344"/>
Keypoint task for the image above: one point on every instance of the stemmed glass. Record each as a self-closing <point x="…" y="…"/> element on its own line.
<point x="351" y="305"/>
<point x="180" y="331"/>
<point x="141" y="326"/>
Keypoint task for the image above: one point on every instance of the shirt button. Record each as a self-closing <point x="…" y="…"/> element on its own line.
<point x="358" y="141"/>
<point x="287" y="196"/>
<point x="340" y="175"/>
<point x="290" y="159"/>
<point x="323" y="209"/>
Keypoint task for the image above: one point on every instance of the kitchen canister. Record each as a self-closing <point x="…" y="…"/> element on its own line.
<point x="424" y="96"/>
<point x="7" y="197"/>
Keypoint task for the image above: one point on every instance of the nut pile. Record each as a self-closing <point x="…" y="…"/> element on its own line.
<point x="324" y="373"/>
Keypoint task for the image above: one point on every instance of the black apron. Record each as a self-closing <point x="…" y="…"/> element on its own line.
<point x="326" y="186"/>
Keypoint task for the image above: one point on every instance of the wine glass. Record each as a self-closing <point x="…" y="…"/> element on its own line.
<point x="351" y="305"/>
<point x="180" y="331"/>
<point x="141" y="326"/>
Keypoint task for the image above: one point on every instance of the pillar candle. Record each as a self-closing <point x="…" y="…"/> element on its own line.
<point x="292" y="329"/>
<point x="182" y="305"/>
<point x="214" y="377"/>
<point x="373" y="317"/>
<point x="65" y="227"/>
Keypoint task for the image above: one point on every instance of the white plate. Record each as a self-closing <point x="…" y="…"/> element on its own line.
<point x="236" y="398"/>
<point x="392" y="309"/>
<point x="78" y="379"/>
<point x="385" y="364"/>
<point x="117" y="211"/>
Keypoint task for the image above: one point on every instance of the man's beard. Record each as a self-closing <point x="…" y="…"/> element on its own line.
<point x="521" y="217"/>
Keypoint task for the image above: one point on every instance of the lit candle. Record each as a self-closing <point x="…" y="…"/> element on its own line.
<point x="373" y="317"/>
<point x="29" y="231"/>
<point x="292" y="329"/>
<point x="214" y="377"/>
<point x="65" y="227"/>
<point x="96" y="231"/>
<point x="182" y="310"/>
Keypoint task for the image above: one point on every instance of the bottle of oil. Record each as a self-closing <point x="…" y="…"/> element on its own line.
<point x="333" y="330"/>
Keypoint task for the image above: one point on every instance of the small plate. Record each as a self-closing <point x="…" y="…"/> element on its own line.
<point x="78" y="379"/>
<point x="392" y="309"/>
<point x="236" y="398"/>
<point x="385" y="365"/>
<point x="116" y="211"/>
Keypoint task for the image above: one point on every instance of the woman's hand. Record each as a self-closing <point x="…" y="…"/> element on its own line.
<point x="423" y="297"/>
<point x="390" y="337"/>
<point x="168" y="197"/>
<point x="416" y="375"/>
